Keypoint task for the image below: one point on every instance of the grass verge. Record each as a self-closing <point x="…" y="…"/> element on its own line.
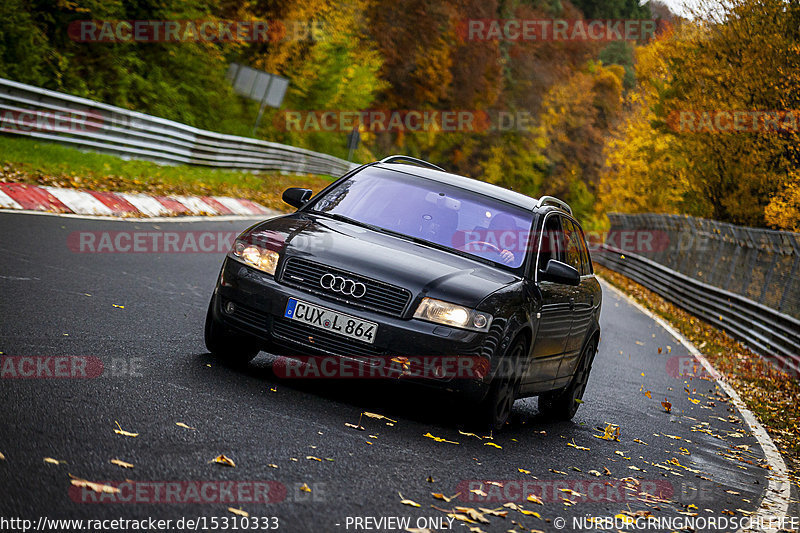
<point x="769" y="393"/>
<point x="24" y="160"/>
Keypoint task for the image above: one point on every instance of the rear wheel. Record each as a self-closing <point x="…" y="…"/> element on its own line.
<point x="233" y="349"/>
<point x="495" y="409"/>
<point x="563" y="403"/>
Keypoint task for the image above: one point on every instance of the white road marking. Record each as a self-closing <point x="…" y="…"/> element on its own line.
<point x="233" y="205"/>
<point x="79" y="201"/>
<point x="195" y="205"/>
<point x="7" y="202"/>
<point x="140" y="220"/>
<point x="145" y="204"/>
<point x="775" y="500"/>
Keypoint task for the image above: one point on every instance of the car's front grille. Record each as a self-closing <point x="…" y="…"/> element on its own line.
<point x="321" y="340"/>
<point x="379" y="296"/>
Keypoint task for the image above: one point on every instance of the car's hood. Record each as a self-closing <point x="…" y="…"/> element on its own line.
<point x="419" y="268"/>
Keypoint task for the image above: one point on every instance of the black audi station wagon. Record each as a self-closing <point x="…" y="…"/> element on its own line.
<point x="401" y="261"/>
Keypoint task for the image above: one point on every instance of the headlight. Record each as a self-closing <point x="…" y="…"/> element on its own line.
<point x="256" y="256"/>
<point x="452" y="315"/>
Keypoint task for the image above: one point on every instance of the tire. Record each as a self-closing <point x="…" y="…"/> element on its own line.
<point x="495" y="410"/>
<point x="561" y="405"/>
<point x="234" y="350"/>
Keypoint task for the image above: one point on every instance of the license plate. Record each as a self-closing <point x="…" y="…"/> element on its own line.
<point x="329" y="320"/>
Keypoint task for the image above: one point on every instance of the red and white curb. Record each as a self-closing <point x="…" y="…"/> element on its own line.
<point x="136" y="205"/>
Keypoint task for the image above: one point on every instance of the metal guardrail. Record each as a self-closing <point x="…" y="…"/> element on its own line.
<point x="86" y="124"/>
<point x="766" y="330"/>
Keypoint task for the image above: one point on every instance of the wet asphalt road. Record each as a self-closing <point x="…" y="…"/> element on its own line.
<point x="142" y="315"/>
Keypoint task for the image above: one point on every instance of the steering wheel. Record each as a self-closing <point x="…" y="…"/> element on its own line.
<point x="494" y="247"/>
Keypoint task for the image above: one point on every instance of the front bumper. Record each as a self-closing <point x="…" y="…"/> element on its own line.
<point x="260" y="301"/>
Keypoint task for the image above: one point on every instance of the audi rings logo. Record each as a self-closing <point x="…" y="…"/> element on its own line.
<point x="348" y="287"/>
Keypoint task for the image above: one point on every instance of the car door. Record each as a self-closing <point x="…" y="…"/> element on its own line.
<point x="553" y="316"/>
<point x="581" y="299"/>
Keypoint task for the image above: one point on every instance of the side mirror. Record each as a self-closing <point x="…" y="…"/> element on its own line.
<point x="559" y="272"/>
<point x="296" y="197"/>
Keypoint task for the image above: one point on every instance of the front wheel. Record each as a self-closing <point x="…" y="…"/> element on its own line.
<point x="563" y="403"/>
<point x="495" y="409"/>
<point x="236" y="350"/>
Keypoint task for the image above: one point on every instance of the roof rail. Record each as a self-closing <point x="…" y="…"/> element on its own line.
<point x="552" y="200"/>
<point x="409" y="159"/>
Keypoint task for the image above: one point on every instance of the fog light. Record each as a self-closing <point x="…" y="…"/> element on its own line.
<point x="479" y="321"/>
<point x="230" y="308"/>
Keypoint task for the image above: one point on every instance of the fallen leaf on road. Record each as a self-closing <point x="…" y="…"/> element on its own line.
<point x="121" y="431"/>
<point x="97" y="487"/>
<point x="305" y="488"/>
<point x="312" y="458"/>
<point x="648" y="394"/>
<point x="355" y="426"/>
<point x="2" y="457"/>
<point x="606" y="471"/>
<point x="534" y="498"/>
<point x="476" y="529"/>
<point x="407" y="502"/>
<point x="493" y="512"/>
<point x="118" y="306"/>
<point x="238" y="511"/>
<point x="667" y="406"/>
<point x="462" y="517"/>
<point x="54" y="461"/>
<point x="515" y="507"/>
<point x="378" y="417"/>
<point x="640" y="442"/>
<point x="479" y="492"/>
<point x="573" y="445"/>
<point x="558" y="472"/>
<point x="610" y="432"/>
<point x="431" y="480"/>
<point x="182" y="425"/>
<point x="524" y="471"/>
<point x="272" y="465"/>
<point x="594" y="473"/>
<point x="439" y="439"/>
<point x="223" y="460"/>
<point x="419" y="530"/>
<point x="473" y="514"/>
<point x="122" y="464"/>
<point x="440" y="496"/>
<point x="466" y="434"/>
<point x="492" y="444"/>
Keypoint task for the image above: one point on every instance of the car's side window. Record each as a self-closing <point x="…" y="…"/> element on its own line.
<point x="586" y="262"/>
<point x="573" y="248"/>
<point x="552" y="244"/>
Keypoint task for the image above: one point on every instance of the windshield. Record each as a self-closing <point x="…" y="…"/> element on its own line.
<point x="438" y="213"/>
